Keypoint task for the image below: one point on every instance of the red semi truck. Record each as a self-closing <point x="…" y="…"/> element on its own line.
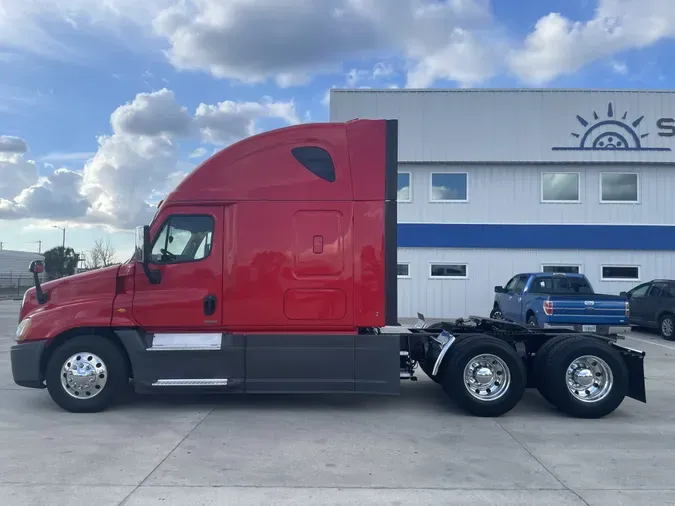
<point x="271" y="268"/>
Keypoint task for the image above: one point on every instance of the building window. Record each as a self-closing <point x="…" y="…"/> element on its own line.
<point x="619" y="187"/>
<point x="566" y="269"/>
<point x="620" y="273"/>
<point x="560" y="187"/>
<point x="449" y="187"/>
<point x="404" y="187"/>
<point x="447" y="271"/>
<point x="403" y="270"/>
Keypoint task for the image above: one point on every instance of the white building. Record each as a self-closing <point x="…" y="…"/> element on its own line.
<point x="14" y="275"/>
<point x="497" y="182"/>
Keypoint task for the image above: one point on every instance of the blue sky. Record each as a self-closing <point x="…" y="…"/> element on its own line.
<point x="71" y="71"/>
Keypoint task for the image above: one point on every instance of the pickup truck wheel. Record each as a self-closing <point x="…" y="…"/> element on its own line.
<point x="484" y="376"/>
<point x="532" y="321"/>
<point x="586" y="378"/>
<point x="496" y="314"/>
<point x="86" y="374"/>
<point x="667" y="327"/>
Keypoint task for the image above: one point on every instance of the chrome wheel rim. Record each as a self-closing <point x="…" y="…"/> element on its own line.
<point x="589" y="378"/>
<point x="487" y="377"/>
<point x="497" y="315"/>
<point x="667" y="327"/>
<point x="84" y="375"/>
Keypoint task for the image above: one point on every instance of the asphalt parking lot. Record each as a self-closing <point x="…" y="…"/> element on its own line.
<point x="407" y="450"/>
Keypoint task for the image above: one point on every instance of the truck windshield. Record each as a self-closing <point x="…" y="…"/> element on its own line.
<point x="561" y="285"/>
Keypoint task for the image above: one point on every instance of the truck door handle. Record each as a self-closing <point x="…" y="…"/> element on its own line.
<point x="209" y="305"/>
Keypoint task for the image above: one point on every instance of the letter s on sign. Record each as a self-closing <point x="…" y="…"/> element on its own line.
<point x="666" y="127"/>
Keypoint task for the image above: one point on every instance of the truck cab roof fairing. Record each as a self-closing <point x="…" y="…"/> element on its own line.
<point x="263" y="166"/>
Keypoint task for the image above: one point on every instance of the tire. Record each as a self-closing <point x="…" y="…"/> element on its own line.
<point x="539" y="370"/>
<point x="667" y="327"/>
<point x="496" y="313"/>
<point x="606" y="367"/>
<point x="95" y="354"/>
<point x="501" y="359"/>
<point x="532" y="321"/>
<point x="441" y="325"/>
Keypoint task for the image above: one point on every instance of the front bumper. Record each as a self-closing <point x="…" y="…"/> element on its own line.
<point x="25" y="358"/>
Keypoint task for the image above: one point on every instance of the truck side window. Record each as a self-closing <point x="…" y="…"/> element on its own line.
<point x="184" y="238"/>
<point x="640" y="291"/>
<point x="658" y="290"/>
<point x="511" y="284"/>
<point x="540" y="285"/>
<point x="520" y="284"/>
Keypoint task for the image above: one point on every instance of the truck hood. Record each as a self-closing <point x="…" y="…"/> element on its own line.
<point x="99" y="284"/>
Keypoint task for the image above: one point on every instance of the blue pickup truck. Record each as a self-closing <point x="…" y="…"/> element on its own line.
<point x="545" y="299"/>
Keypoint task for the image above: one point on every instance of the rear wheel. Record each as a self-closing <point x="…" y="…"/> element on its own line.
<point x="540" y="373"/>
<point x="86" y="374"/>
<point x="667" y="327"/>
<point x="532" y="321"/>
<point x="585" y="377"/>
<point x="484" y="376"/>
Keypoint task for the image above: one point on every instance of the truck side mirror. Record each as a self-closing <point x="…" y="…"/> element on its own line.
<point x="143" y="254"/>
<point x="499" y="289"/>
<point x="623" y="294"/>
<point x="38" y="267"/>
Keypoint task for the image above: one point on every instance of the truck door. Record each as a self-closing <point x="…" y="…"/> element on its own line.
<point x="639" y="306"/>
<point x="513" y="298"/>
<point x="658" y="300"/>
<point x="187" y="250"/>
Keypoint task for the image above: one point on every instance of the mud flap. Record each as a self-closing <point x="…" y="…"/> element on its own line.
<point x="635" y="362"/>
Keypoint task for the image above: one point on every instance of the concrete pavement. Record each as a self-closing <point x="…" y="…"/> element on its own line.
<point x="291" y="450"/>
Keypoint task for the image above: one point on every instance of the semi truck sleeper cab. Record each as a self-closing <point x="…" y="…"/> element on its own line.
<point x="271" y="268"/>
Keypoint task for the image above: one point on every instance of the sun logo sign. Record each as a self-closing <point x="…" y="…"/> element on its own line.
<point x="609" y="133"/>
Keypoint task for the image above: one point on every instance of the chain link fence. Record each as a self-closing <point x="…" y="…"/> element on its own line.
<point x="14" y="285"/>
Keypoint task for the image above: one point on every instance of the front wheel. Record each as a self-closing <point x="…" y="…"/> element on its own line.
<point x="585" y="378"/>
<point x="484" y="376"/>
<point x="496" y="314"/>
<point x="86" y="374"/>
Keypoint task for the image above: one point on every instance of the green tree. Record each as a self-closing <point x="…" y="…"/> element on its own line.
<point x="60" y="261"/>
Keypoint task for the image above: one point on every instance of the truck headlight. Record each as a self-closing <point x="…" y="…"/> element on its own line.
<point x="22" y="329"/>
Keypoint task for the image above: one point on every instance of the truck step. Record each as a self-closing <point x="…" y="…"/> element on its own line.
<point x="190" y="382"/>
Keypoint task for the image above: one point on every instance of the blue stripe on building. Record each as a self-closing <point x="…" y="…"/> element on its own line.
<point x="585" y="237"/>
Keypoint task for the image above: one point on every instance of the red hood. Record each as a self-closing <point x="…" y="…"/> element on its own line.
<point x="92" y="284"/>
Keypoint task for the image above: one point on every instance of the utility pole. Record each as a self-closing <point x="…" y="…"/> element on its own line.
<point x="64" y="235"/>
<point x="0" y="245"/>
<point x="39" y="243"/>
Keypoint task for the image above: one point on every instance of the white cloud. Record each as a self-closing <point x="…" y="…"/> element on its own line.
<point x="16" y="173"/>
<point x="619" y="67"/>
<point x="560" y="46"/>
<point x="152" y="114"/>
<point x="138" y="161"/>
<point x="11" y="144"/>
<point x="253" y="40"/>
<point x="228" y="121"/>
<point x="290" y="42"/>
<point x="198" y="153"/>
